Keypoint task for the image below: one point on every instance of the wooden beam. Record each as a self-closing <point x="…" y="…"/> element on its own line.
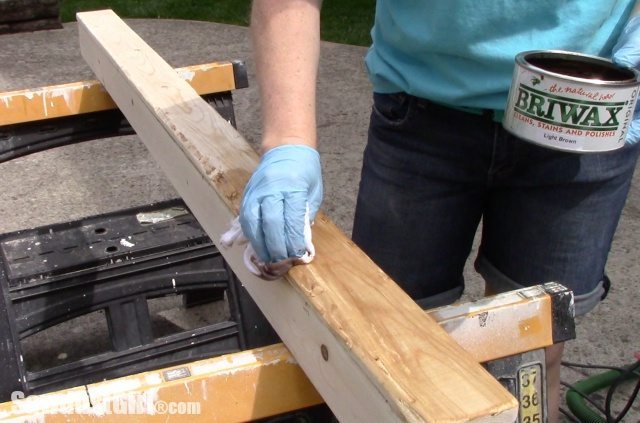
<point x="367" y="347"/>
<point x="240" y="387"/>
<point x="90" y="96"/>
<point x="510" y="323"/>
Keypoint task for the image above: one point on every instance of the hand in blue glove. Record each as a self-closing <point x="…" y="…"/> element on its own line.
<point x="285" y="188"/>
<point x="626" y="53"/>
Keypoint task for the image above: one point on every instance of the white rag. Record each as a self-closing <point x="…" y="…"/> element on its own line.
<point x="253" y="263"/>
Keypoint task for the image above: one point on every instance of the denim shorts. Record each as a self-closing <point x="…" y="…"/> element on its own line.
<point x="430" y="175"/>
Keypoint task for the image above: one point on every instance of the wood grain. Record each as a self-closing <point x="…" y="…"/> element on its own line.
<point x="369" y="350"/>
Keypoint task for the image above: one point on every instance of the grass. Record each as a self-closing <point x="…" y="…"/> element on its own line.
<point x="343" y="21"/>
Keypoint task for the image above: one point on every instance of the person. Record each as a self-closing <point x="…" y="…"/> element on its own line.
<point x="437" y="160"/>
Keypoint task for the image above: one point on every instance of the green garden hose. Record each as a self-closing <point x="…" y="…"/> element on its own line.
<point x="577" y="403"/>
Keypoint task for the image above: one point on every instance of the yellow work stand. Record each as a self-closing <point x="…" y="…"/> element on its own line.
<point x="507" y="332"/>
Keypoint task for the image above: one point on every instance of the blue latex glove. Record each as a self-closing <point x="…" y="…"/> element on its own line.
<point x="626" y="53"/>
<point x="286" y="185"/>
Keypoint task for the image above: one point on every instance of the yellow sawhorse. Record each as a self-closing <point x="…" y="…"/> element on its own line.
<point x="507" y="332"/>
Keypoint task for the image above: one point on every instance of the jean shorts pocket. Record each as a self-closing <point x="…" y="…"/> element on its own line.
<point x="393" y="109"/>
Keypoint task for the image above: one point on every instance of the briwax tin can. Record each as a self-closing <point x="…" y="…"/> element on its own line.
<point x="570" y="101"/>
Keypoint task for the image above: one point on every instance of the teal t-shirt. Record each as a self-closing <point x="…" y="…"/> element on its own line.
<point x="461" y="52"/>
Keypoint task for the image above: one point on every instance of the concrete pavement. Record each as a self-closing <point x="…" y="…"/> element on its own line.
<point x="107" y="175"/>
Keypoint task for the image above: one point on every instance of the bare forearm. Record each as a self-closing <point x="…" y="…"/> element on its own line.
<point x="286" y="43"/>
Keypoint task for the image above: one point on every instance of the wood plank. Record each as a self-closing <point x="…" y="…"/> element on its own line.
<point x="239" y="387"/>
<point x="267" y="381"/>
<point x="367" y="347"/>
<point x="502" y="325"/>
<point x="90" y="96"/>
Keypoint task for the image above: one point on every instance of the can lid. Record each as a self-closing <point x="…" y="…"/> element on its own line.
<point x="581" y="68"/>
